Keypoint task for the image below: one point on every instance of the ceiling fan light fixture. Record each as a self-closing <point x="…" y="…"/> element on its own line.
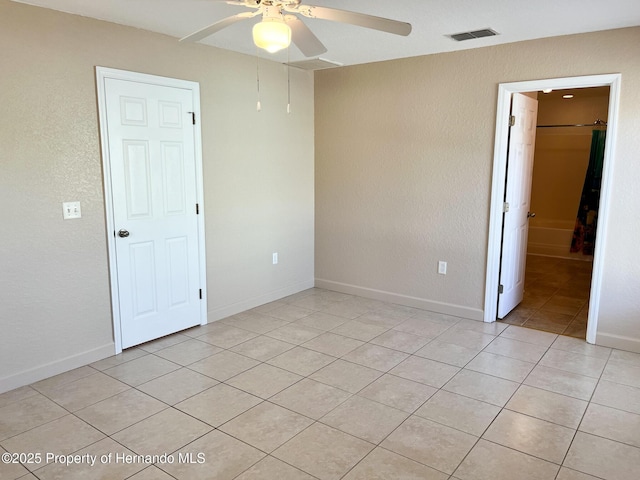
<point x="272" y="34"/>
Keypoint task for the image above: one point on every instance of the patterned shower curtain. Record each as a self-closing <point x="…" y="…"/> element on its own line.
<point x="584" y="233"/>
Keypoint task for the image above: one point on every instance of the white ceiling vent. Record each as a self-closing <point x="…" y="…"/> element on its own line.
<point x="485" y="32"/>
<point x="315" y="64"/>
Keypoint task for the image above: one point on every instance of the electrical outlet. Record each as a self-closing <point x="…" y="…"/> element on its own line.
<point x="275" y="258"/>
<point x="442" y="267"/>
<point x="71" y="210"/>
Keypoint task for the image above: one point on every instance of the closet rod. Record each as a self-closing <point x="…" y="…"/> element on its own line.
<point x="597" y="123"/>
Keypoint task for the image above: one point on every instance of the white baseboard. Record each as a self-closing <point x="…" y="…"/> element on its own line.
<point x="620" y="342"/>
<point x="228" y="310"/>
<point x="423" y="303"/>
<point x="54" y="368"/>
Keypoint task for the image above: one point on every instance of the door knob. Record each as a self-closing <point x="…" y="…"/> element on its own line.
<point x="531" y="214"/>
<point x="123" y="233"/>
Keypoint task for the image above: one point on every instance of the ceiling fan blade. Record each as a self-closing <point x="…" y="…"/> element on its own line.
<point x="244" y="3"/>
<point x="353" y="18"/>
<point x="211" y="29"/>
<point x="304" y="38"/>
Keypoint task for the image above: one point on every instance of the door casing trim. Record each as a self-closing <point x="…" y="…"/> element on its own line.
<point x="102" y="73"/>
<point x="505" y="91"/>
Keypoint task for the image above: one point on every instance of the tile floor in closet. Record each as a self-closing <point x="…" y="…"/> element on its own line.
<point x="325" y="385"/>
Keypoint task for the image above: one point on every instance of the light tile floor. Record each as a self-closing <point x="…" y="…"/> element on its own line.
<point x="327" y="386"/>
<point x="556" y="296"/>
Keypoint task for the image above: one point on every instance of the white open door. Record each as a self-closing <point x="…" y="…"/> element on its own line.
<point x="522" y="138"/>
<point x="151" y="167"/>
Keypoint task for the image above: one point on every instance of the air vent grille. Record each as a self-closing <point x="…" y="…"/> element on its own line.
<point x="485" y="32"/>
<point x="315" y="64"/>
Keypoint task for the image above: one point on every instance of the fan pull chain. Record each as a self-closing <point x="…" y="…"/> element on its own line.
<point x="258" y="105"/>
<point x="288" y="83"/>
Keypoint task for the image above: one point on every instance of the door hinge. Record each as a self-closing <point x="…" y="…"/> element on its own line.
<point x="197" y="209"/>
<point x="512" y="120"/>
<point x="500" y="288"/>
<point x="505" y="207"/>
<point x="193" y="117"/>
<point x="200" y="294"/>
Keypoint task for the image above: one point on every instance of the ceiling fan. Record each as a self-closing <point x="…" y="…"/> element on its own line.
<point x="280" y="26"/>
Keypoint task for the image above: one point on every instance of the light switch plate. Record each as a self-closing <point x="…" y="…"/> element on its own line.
<point x="71" y="210"/>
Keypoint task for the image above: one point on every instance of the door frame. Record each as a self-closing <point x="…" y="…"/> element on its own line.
<point x="102" y="73"/>
<point x="498" y="185"/>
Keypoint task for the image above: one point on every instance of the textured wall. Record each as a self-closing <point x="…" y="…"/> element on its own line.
<point x="404" y="153"/>
<point x="258" y="175"/>
<point x="562" y="155"/>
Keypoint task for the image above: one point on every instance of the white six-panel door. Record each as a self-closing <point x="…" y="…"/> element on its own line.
<point x="522" y="138"/>
<point x="153" y="178"/>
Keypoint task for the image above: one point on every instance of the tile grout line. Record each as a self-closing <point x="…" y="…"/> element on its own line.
<point x="584" y="413"/>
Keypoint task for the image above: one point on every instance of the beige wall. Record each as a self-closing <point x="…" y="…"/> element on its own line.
<point x="404" y="153"/>
<point x="258" y="174"/>
<point x="562" y="154"/>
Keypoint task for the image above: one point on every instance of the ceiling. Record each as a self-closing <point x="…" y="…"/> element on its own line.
<point x="590" y="92"/>
<point x="432" y="20"/>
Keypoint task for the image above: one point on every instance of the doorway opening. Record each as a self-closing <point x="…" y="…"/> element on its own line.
<point x="506" y="91"/>
<point x="565" y="190"/>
